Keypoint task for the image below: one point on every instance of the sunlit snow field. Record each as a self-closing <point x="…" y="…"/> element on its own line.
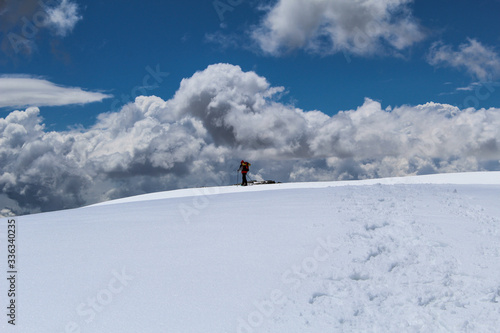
<point x="415" y="254"/>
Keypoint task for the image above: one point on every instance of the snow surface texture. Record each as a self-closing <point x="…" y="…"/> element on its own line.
<point x="416" y="254"/>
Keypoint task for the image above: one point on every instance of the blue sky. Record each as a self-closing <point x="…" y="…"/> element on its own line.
<point x="110" y="46"/>
<point x="305" y="90"/>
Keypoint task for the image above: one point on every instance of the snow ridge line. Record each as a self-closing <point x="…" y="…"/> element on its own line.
<point x="481" y="178"/>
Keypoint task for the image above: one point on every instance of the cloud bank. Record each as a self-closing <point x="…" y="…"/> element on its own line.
<point x="216" y="118"/>
<point x="361" y="27"/>
<point x="21" y="91"/>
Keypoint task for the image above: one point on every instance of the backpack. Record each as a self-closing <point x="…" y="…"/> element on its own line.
<point x="245" y="166"/>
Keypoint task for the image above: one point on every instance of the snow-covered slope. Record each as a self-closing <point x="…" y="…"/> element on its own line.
<point x="477" y="178"/>
<point x="416" y="254"/>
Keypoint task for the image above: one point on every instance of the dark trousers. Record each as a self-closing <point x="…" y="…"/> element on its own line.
<point x="244" y="179"/>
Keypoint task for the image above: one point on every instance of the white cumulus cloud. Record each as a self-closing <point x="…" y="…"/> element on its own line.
<point x="23" y="23"/>
<point x="363" y="27"/>
<point x="20" y="91"/>
<point x="216" y="118"/>
<point x="63" y="17"/>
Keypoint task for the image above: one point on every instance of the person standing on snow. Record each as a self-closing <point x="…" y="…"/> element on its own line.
<point x="244" y="167"/>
